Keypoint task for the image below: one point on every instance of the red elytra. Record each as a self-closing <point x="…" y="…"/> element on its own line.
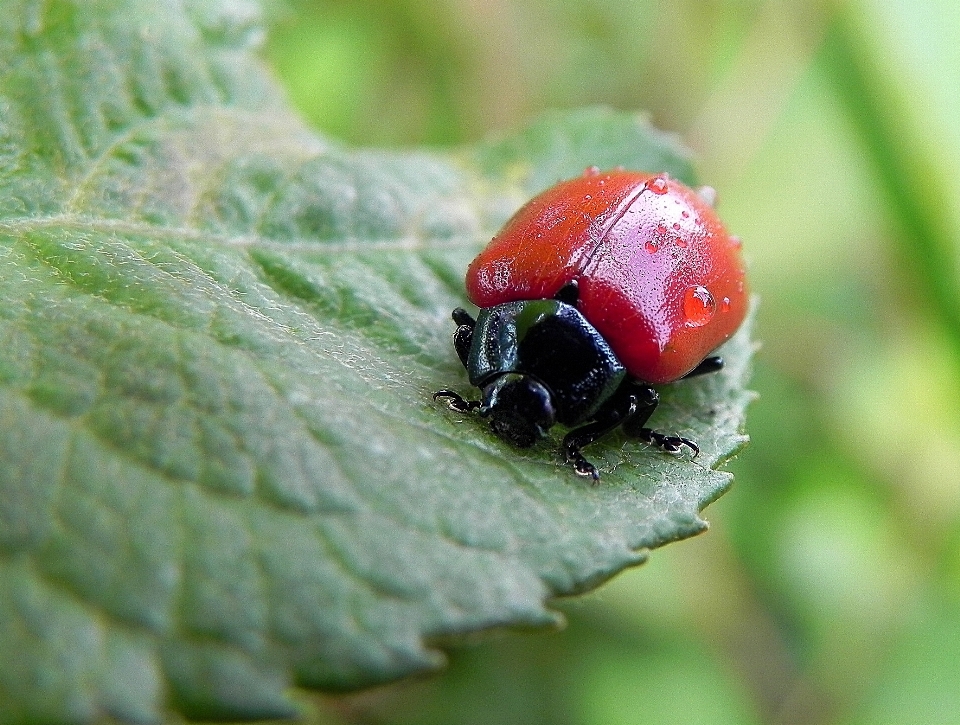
<point x="659" y="277"/>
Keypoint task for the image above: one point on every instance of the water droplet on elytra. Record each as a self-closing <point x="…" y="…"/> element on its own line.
<point x="658" y="185"/>
<point x="587" y="197"/>
<point x="651" y="246"/>
<point x="698" y="306"/>
<point x="676" y="226"/>
<point x="681" y="242"/>
<point x="725" y="304"/>
<point x="685" y="214"/>
<point x="591" y="171"/>
<point x="662" y="229"/>
<point x="735" y="241"/>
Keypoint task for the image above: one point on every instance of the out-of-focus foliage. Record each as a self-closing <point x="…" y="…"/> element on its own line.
<point x="828" y="590"/>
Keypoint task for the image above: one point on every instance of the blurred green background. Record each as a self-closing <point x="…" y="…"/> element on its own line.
<point x="828" y="589"/>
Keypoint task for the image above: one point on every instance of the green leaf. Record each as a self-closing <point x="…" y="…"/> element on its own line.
<point x="221" y="470"/>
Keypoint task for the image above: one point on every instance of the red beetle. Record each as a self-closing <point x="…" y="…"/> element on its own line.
<point x="596" y="289"/>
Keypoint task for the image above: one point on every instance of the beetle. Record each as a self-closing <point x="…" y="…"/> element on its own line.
<point x="595" y="291"/>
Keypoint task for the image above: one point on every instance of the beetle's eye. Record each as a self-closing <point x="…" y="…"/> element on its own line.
<point x="520" y="409"/>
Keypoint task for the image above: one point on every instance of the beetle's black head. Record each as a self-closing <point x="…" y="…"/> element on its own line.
<point x="520" y="409"/>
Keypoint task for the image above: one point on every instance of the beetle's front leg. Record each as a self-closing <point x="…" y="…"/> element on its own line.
<point x="614" y="413"/>
<point x="457" y="402"/>
<point x="463" y="337"/>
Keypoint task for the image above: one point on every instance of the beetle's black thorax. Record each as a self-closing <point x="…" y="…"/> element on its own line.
<point x="553" y="343"/>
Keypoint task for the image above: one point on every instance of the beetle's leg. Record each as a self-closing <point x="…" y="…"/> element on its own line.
<point x="710" y="365"/>
<point x="456" y="401"/>
<point x="461" y="343"/>
<point x="464" y="334"/>
<point x="670" y="444"/>
<point x="609" y="418"/>
<point x="569" y="293"/>
<point x="647" y="402"/>
<point x="462" y="339"/>
<point x="463" y="318"/>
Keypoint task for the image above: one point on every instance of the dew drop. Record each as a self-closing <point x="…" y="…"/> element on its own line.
<point x="658" y="185"/>
<point x="651" y="246"/>
<point x="735" y="242"/>
<point x="685" y="214"/>
<point x="676" y="226"/>
<point x="681" y="242"/>
<point x="661" y="228"/>
<point x="591" y="171"/>
<point x="725" y="304"/>
<point x="587" y="197"/>
<point x="698" y="306"/>
<point x="708" y="194"/>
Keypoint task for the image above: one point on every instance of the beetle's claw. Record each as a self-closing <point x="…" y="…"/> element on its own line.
<point x="668" y="443"/>
<point x="583" y="467"/>
<point x="456" y="402"/>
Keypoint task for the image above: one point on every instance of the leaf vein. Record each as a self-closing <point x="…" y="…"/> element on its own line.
<point x="17" y="227"/>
